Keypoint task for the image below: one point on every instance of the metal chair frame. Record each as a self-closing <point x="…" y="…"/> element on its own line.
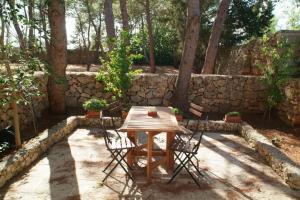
<point x="187" y="159"/>
<point x="118" y="154"/>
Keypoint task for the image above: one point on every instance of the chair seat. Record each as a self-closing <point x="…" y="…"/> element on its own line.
<point x="185" y="131"/>
<point x="121" y="143"/>
<point x="184" y="146"/>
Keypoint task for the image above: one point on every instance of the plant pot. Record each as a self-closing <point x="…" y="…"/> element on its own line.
<point x="124" y="114"/>
<point x="152" y="113"/>
<point x="232" y="119"/>
<point x="179" y="118"/>
<point x="94" y="114"/>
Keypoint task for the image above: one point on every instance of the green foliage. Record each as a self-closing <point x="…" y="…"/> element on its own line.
<point x="247" y="19"/>
<point x="176" y="111"/>
<point x="23" y="83"/>
<point x="233" y="113"/>
<point x="95" y="104"/>
<point x="116" y="73"/>
<point x="276" y="69"/>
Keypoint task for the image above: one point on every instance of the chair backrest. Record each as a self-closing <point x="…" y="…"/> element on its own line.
<point x="196" y="110"/>
<point x="107" y="139"/>
<point x="115" y="108"/>
<point x="201" y="135"/>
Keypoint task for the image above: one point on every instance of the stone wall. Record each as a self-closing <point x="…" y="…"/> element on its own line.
<point x="289" y="109"/>
<point x="39" y="103"/>
<point x="216" y="93"/>
<point x="243" y="60"/>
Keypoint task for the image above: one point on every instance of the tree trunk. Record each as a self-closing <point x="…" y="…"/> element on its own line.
<point x="212" y="49"/>
<point x="2" y="34"/>
<point x="188" y="54"/>
<point x="44" y="27"/>
<point x="31" y="19"/>
<point x="124" y="14"/>
<point x="109" y="23"/>
<point x="19" y="32"/>
<point x="58" y="56"/>
<point x="150" y="35"/>
<point x="15" y="109"/>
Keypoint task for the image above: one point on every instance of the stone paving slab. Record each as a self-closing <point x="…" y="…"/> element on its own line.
<point x="72" y="169"/>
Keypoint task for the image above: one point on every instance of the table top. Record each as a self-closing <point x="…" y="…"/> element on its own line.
<point x="138" y="120"/>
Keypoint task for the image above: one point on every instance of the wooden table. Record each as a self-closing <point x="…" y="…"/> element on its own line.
<point x="138" y="120"/>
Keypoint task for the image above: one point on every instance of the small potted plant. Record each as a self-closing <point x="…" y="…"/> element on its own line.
<point x="94" y="107"/>
<point x="233" y="117"/>
<point x="125" y="111"/>
<point x="152" y="112"/>
<point x="177" y="113"/>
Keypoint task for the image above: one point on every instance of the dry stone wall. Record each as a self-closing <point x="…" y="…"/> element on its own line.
<point x="39" y="103"/>
<point x="289" y="109"/>
<point x="216" y="93"/>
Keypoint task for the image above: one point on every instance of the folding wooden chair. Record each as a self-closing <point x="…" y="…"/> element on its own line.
<point x="119" y="148"/>
<point x="189" y="149"/>
<point x="115" y="111"/>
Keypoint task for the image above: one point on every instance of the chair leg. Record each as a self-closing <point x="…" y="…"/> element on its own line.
<point x="196" y="168"/>
<point x="177" y="169"/>
<point x="112" y="152"/>
<point x="183" y="163"/>
<point x="189" y="160"/>
<point x="108" y="174"/>
<point x="119" y="162"/>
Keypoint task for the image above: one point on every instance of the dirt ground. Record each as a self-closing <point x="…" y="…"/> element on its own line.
<point x="275" y="128"/>
<point x="72" y="169"/>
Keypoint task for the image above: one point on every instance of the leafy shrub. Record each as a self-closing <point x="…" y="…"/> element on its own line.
<point x="116" y="74"/>
<point x="95" y="104"/>
<point x="276" y="69"/>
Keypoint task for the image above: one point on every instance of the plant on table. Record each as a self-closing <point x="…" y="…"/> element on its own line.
<point x="178" y="113"/>
<point x="152" y="111"/>
<point x="94" y="107"/>
<point x="233" y="117"/>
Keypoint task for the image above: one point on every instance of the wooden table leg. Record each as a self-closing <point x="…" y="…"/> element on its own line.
<point x="130" y="156"/>
<point x="170" y="153"/>
<point x="149" y="155"/>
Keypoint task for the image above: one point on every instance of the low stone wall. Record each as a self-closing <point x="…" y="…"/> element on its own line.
<point x="33" y="149"/>
<point x="25" y="114"/>
<point x="280" y="163"/>
<point x="216" y="93"/>
<point x="289" y="109"/>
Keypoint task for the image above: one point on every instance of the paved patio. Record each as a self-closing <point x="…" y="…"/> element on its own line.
<point x="72" y="169"/>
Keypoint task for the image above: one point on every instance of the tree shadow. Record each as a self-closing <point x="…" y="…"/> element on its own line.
<point x="250" y="169"/>
<point x="63" y="179"/>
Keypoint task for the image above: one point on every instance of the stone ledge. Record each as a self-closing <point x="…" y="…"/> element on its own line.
<point x="280" y="162"/>
<point x="14" y="163"/>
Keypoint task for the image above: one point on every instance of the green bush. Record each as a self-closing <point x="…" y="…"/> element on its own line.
<point x="116" y="74"/>
<point x="277" y="68"/>
<point x="95" y="104"/>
